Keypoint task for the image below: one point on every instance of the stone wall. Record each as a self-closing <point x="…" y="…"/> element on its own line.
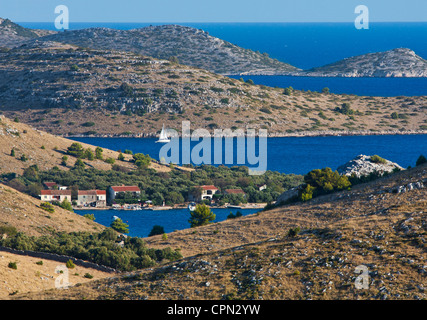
<point x="59" y="258"/>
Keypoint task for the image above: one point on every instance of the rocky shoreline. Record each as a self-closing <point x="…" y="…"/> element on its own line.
<point x="270" y="135"/>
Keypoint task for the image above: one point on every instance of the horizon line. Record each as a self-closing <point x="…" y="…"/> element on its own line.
<point x="246" y="22"/>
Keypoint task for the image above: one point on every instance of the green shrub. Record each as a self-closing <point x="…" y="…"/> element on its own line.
<point x="66" y="205"/>
<point x="156" y="230"/>
<point x="88" y="154"/>
<point x="293" y="232"/>
<point x="88" y="124"/>
<point x="90" y="216"/>
<point x="12" y="265"/>
<point x="120" y="226"/>
<point x="46" y="206"/>
<point x="421" y="160"/>
<point x="377" y="159"/>
<point x="79" y="164"/>
<point x="323" y="181"/>
<point x="70" y="264"/>
<point x="345" y="109"/>
<point x="76" y="150"/>
<point x="110" y="160"/>
<point x="10" y="231"/>
<point x="201" y="216"/>
<point x="100" y="248"/>
<point x="288" y="91"/>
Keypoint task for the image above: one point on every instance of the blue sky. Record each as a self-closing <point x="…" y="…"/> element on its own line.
<point x="214" y="10"/>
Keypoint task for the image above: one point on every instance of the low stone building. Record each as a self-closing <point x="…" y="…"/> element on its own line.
<point x="93" y="198"/>
<point x="55" y="195"/>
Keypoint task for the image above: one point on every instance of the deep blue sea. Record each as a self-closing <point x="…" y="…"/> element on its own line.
<point x="299" y="155"/>
<point x="308" y="45"/>
<point x="304" y="45"/>
<point x="142" y="221"/>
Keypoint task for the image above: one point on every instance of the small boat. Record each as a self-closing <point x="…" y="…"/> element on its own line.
<point x="234" y="207"/>
<point x="192" y="206"/>
<point x="163" y="138"/>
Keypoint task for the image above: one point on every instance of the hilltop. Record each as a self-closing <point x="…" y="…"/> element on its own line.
<point x="400" y="62"/>
<point x="193" y="47"/>
<point x="68" y="90"/>
<point x="257" y="257"/>
<point x="12" y="34"/>
<point x="196" y="48"/>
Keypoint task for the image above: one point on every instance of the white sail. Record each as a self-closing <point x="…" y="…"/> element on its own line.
<point x="163" y="136"/>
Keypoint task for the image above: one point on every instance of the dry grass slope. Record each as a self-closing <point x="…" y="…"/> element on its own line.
<point x="46" y="150"/>
<point x="254" y="257"/>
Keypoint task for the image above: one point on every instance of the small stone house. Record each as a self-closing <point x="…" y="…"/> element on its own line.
<point x="94" y="198"/>
<point x="55" y="195"/>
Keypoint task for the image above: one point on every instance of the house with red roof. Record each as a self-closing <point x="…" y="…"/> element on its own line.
<point x="113" y="191"/>
<point x="55" y="195"/>
<point x="93" y="198"/>
<point x="205" y="192"/>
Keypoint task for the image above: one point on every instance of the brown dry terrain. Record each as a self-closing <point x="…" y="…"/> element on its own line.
<point x="254" y="257"/>
<point x="24" y="213"/>
<point x="31" y="276"/>
<point x="67" y="90"/>
<point x="46" y="150"/>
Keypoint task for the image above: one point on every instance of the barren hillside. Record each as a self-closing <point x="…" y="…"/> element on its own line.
<point x="25" y="214"/>
<point x="46" y="150"/>
<point x="256" y="257"/>
<point x="401" y="62"/>
<point x="66" y="90"/>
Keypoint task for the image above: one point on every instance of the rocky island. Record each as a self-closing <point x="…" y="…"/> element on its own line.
<point x="400" y="62"/>
<point x="196" y="48"/>
<point x="189" y="46"/>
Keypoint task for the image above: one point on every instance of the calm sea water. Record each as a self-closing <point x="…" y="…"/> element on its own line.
<point x="301" y="155"/>
<point x="308" y="45"/>
<point x="304" y="45"/>
<point x="141" y="222"/>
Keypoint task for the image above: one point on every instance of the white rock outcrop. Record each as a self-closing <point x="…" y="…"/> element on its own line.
<point x="363" y="165"/>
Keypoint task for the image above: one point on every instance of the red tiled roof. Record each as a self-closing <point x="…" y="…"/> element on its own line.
<point x="92" y="192"/>
<point x="56" y="192"/>
<point x="207" y="187"/>
<point x="49" y="184"/>
<point x="125" y="189"/>
<point x="236" y="191"/>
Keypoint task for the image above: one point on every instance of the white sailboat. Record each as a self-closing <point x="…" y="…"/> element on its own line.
<point x="163" y="138"/>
